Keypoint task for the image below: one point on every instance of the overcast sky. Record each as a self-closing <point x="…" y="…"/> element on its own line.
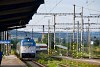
<point x="65" y="6"/>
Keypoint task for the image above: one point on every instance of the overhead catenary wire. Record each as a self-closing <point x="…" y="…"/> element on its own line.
<point x="87" y="2"/>
<point x="56" y="5"/>
<point x="51" y="27"/>
<point x="76" y="6"/>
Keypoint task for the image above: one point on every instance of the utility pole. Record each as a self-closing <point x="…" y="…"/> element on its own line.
<point x="48" y="37"/>
<point x="73" y="45"/>
<point x="4" y="44"/>
<point x="89" y="39"/>
<point x="67" y="43"/>
<point x="6" y="38"/>
<point x="74" y="25"/>
<point x="16" y="37"/>
<point x="54" y="31"/>
<point x="7" y="44"/>
<point x="43" y="34"/>
<point x="82" y="31"/>
<point x="87" y="35"/>
<point x="77" y="35"/>
<point x="59" y="38"/>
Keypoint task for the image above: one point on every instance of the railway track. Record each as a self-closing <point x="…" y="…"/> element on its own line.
<point x="33" y="64"/>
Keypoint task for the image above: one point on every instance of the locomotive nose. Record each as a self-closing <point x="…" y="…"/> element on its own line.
<point x="32" y="51"/>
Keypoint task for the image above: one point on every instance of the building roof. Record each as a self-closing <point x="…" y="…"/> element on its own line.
<point x="17" y="13"/>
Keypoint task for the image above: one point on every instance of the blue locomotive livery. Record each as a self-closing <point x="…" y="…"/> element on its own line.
<point x="26" y="48"/>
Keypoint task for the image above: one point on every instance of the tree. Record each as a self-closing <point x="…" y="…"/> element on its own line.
<point x="45" y="40"/>
<point x="39" y="40"/>
<point x="57" y="40"/>
<point x="96" y="42"/>
<point x="14" y="42"/>
<point x="52" y="40"/>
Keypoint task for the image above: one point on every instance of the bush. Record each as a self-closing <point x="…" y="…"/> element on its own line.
<point x="52" y="63"/>
<point x="72" y="63"/>
<point x="42" y="55"/>
<point x="13" y="51"/>
<point x="46" y="60"/>
<point x="42" y="61"/>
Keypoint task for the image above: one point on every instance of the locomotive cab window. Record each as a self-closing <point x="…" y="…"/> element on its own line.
<point x="28" y="44"/>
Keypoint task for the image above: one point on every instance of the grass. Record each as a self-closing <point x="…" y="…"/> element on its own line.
<point x="51" y="62"/>
<point x="72" y="63"/>
<point x="69" y="63"/>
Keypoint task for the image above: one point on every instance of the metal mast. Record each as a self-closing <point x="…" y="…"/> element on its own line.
<point x="48" y="36"/>
<point x="77" y="35"/>
<point x="74" y="25"/>
<point x="82" y="31"/>
<point x="54" y="31"/>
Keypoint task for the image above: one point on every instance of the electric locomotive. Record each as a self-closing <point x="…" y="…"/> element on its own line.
<point x="26" y="48"/>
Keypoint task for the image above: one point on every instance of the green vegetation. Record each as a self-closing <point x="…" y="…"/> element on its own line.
<point x="96" y="42"/>
<point x="13" y="51"/>
<point x="48" y="61"/>
<point x="45" y="40"/>
<point x="73" y="63"/>
<point x="53" y="63"/>
<point x="14" y="42"/>
<point x="96" y="52"/>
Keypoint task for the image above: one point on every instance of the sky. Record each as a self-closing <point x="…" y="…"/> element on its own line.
<point x="64" y="6"/>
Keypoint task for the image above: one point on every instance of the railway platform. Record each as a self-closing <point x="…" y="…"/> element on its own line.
<point x="12" y="61"/>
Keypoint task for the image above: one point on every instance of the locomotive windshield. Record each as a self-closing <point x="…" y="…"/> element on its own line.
<point x="28" y="44"/>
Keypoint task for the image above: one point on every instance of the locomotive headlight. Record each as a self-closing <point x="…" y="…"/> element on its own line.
<point x="32" y="51"/>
